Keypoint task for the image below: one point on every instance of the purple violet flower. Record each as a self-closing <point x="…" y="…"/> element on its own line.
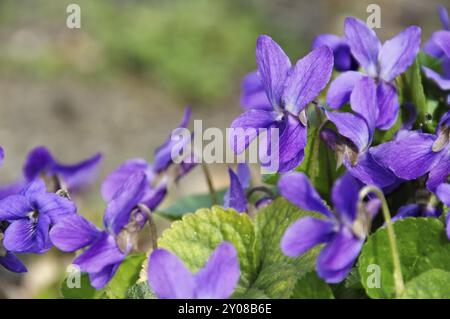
<point x="441" y="45"/>
<point x="31" y="214"/>
<point x="7" y="258"/>
<point x="415" y="154"/>
<point x="443" y="193"/>
<point x="235" y="196"/>
<point x="381" y="62"/>
<point x="289" y="89"/>
<point x="40" y="162"/>
<point x="343" y="231"/>
<point x="431" y="47"/>
<point x="356" y="131"/>
<point x="416" y="210"/>
<point x="11" y="262"/>
<point x="343" y="58"/>
<point x="109" y="247"/>
<point x="169" y="278"/>
<point x="157" y="174"/>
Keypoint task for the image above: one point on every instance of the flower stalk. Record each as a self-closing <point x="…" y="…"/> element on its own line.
<point x="152" y="225"/>
<point x="398" y="277"/>
<point x="210" y="184"/>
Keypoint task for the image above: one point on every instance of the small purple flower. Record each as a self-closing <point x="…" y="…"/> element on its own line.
<point x="443" y="193"/>
<point x="40" y="162"/>
<point x="416" y="210"/>
<point x="381" y="62"/>
<point x="11" y="262"/>
<point x="157" y="173"/>
<point x="7" y="258"/>
<point x="443" y="16"/>
<point x="289" y="90"/>
<point x="441" y="45"/>
<point x="31" y="214"/>
<point x="415" y="154"/>
<point x="343" y="59"/>
<point x="356" y="131"/>
<point x="109" y="247"/>
<point x="163" y="154"/>
<point x="235" y="196"/>
<point x="431" y="47"/>
<point x="169" y="278"/>
<point x="343" y="231"/>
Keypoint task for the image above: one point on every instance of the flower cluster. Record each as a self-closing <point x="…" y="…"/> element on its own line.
<point x="360" y="103"/>
<point x="37" y="213"/>
<point x="356" y="113"/>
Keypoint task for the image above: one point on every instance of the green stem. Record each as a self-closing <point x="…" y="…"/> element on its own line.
<point x="60" y="187"/>
<point x="152" y="225"/>
<point x="398" y="277"/>
<point x="208" y="178"/>
<point x="262" y="189"/>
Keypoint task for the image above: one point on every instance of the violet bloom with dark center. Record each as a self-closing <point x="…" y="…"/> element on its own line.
<point x="343" y="58"/>
<point x="169" y="278"/>
<point x="109" y="247"/>
<point x="381" y="62"/>
<point x="415" y="154"/>
<point x="31" y="214"/>
<point x="441" y="50"/>
<point x="75" y="177"/>
<point x="159" y="174"/>
<point x="289" y="89"/>
<point x="356" y="131"/>
<point x="343" y="231"/>
<point x="235" y="196"/>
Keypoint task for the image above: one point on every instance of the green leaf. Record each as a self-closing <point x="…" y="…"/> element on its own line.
<point x="273" y="281"/>
<point x="277" y="274"/>
<point x="69" y="289"/>
<point x="319" y="163"/>
<point x="140" y="291"/>
<point x="422" y="245"/>
<point x="190" y="204"/>
<point x="265" y="271"/>
<point x="430" y="62"/>
<point x="310" y="286"/>
<point x="271" y="223"/>
<point x="432" y="284"/>
<point x="127" y="274"/>
<point x="195" y="237"/>
<point x="412" y="91"/>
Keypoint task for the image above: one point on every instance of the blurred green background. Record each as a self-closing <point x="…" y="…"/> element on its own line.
<point x="118" y="84"/>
